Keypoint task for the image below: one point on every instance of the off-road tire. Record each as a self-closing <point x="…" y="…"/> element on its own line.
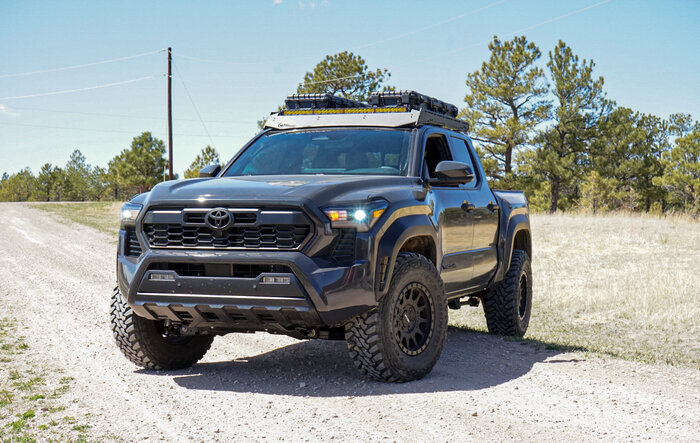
<point x="143" y="343"/>
<point x="373" y="337"/>
<point x="508" y="306"/>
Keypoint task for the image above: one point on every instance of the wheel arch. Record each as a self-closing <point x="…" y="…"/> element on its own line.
<point x="412" y="233"/>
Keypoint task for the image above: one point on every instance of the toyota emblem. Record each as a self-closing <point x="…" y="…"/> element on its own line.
<point x="218" y="219"/>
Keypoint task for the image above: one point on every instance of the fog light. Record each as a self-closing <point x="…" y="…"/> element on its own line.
<point x="275" y="280"/>
<point x="168" y="277"/>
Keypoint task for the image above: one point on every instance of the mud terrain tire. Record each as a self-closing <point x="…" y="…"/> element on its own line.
<point x="508" y="306"/>
<point x="143" y="342"/>
<point x="402" y="339"/>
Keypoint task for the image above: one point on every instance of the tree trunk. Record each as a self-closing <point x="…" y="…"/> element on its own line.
<point x="555" y="195"/>
<point x="509" y="155"/>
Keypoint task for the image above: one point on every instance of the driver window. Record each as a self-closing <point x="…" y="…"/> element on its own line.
<point x="436" y="150"/>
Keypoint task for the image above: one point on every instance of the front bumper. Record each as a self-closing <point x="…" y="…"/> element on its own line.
<point x="317" y="294"/>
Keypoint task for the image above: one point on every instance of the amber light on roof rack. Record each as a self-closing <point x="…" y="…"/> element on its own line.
<point x="344" y="111"/>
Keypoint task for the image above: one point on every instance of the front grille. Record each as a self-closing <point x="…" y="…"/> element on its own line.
<point x="251" y="229"/>
<point x="265" y="236"/>
<point x="344" y="250"/>
<point x="133" y="248"/>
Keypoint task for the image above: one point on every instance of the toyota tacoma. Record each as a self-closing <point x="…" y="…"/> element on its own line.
<point x="341" y="220"/>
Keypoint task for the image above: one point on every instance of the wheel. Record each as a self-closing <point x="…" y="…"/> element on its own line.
<point x="508" y="306"/>
<point x="401" y="340"/>
<point x="145" y="344"/>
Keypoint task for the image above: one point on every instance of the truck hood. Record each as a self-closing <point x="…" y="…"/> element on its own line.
<point x="320" y="189"/>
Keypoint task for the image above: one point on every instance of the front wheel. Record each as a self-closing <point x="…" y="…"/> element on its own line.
<point x="402" y="339"/>
<point x="145" y="343"/>
<point x="508" y="306"/>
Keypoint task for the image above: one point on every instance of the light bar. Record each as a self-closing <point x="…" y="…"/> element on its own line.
<point x="275" y="280"/>
<point x="343" y="111"/>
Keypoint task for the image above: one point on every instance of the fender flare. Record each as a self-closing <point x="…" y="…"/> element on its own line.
<point x="517" y="223"/>
<point x="400" y="231"/>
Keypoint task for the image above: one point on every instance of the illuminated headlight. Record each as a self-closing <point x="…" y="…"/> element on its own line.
<point x="362" y="217"/>
<point x="128" y="214"/>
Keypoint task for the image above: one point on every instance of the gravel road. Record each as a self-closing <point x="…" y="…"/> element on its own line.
<point x="56" y="278"/>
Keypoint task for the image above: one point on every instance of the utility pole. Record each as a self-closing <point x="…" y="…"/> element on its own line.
<point x="170" y="114"/>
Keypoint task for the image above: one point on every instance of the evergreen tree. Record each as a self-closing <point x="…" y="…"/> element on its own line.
<point x="562" y="155"/>
<point x="207" y="157"/>
<point x="17" y="187"/>
<point x="506" y="101"/>
<point x="76" y="178"/>
<point x="628" y="148"/>
<point x="141" y="166"/>
<point x="681" y="178"/>
<point x="45" y="184"/>
<point x="344" y="74"/>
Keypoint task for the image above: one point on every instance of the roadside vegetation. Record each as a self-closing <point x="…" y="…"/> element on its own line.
<point x="103" y="216"/>
<point x="620" y="284"/>
<point x="33" y="406"/>
<point x="624" y="285"/>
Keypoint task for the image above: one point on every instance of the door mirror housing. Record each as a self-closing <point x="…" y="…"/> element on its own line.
<point x="210" y="171"/>
<point x="452" y="173"/>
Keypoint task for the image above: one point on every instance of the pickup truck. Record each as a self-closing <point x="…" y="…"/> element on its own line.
<point x="341" y="220"/>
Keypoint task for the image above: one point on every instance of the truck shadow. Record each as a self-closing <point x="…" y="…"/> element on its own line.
<point x="315" y="368"/>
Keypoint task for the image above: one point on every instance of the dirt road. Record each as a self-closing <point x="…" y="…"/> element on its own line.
<point x="56" y="279"/>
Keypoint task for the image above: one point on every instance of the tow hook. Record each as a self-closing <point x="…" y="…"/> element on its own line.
<point x="187" y="331"/>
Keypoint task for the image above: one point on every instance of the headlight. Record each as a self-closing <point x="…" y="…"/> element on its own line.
<point x="128" y="214"/>
<point x="362" y="216"/>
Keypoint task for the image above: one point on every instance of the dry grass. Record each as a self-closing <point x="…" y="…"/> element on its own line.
<point x="103" y="216"/>
<point x="624" y="285"/>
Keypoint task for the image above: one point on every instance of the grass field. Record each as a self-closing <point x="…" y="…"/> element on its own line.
<point x="103" y="216"/>
<point x="623" y="285"/>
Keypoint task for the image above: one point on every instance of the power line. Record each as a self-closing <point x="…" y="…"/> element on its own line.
<point x="84" y="65"/>
<point x="67" y="91"/>
<point x="434" y="25"/>
<point x="193" y="105"/>
<point x="100" y="114"/>
<point x="396" y="37"/>
<point x="116" y="131"/>
<point x="537" y="25"/>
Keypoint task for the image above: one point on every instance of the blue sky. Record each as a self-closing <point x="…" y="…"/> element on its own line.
<point x="239" y="60"/>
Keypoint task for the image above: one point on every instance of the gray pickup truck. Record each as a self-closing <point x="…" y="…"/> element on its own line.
<point x="341" y="220"/>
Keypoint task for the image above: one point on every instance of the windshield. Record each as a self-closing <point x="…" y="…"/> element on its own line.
<point x="326" y="151"/>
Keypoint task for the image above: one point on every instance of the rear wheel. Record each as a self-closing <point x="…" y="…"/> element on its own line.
<point x="402" y="339"/>
<point x="146" y="344"/>
<point x="508" y="306"/>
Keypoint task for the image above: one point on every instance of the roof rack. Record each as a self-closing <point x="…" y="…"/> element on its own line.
<point x="413" y="100"/>
<point x="388" y="109"/>
<point x="320" y="101"/>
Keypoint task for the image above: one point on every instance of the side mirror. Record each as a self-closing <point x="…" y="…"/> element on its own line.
<point x="210" y="171"/>
<point x="452" y="173"/>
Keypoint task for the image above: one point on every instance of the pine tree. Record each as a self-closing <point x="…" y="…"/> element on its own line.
<point x="562" y="155"/>
<point x="506" y="101"/>
<point x="208" y="156"/>
<point x="141" y="166"/>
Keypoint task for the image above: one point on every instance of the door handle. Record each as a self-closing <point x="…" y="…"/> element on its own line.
<point x="493" y="207"/>
<point x="467" y="207"/>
